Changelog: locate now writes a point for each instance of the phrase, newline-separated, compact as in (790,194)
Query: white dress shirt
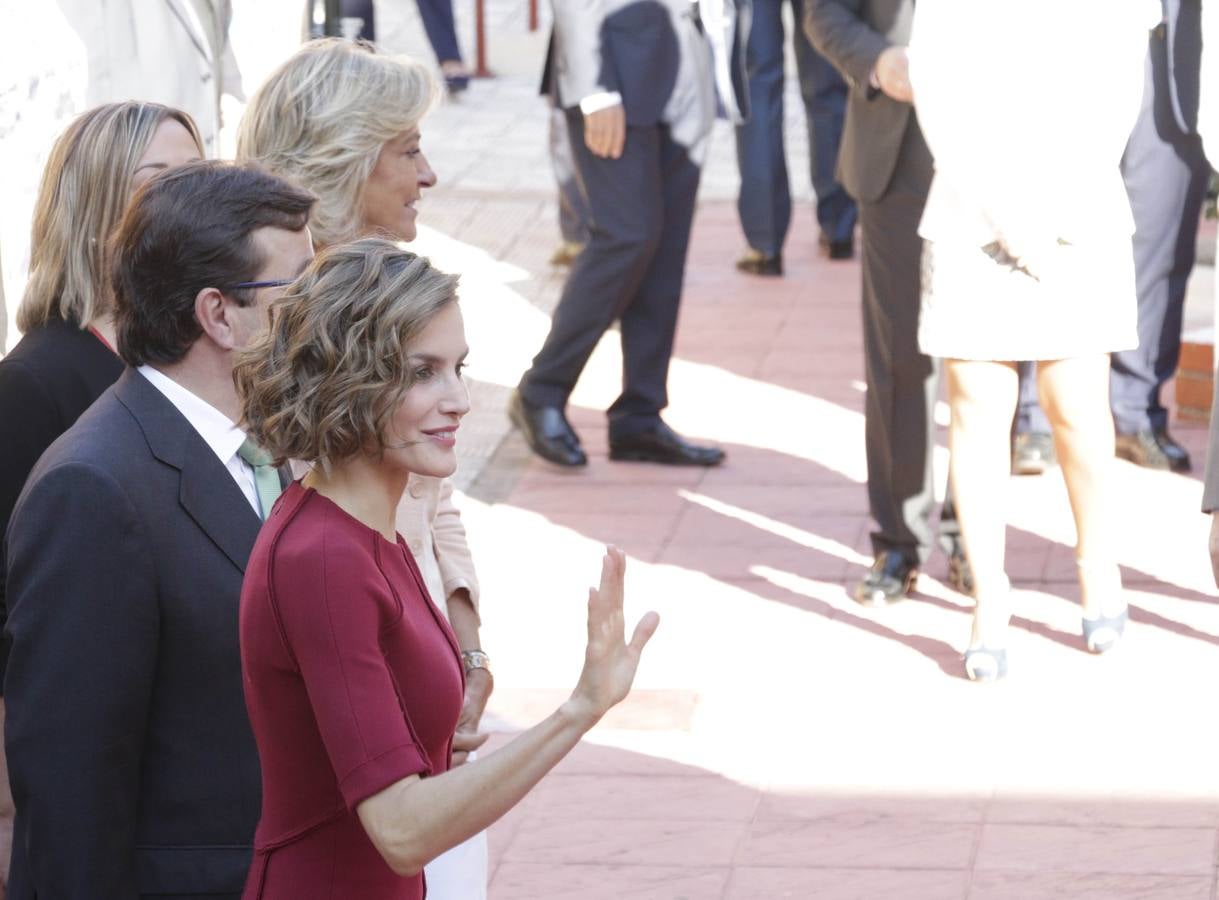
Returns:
(216,429)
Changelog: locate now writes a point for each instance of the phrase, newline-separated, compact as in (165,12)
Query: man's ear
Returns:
(212,313)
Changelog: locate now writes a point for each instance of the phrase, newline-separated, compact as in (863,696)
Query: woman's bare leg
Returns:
(982,396)
(1075,397)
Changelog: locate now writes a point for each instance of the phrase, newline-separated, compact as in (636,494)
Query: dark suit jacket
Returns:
(630,46)
(638,58)
(52,376)
(133,766)
(1183,36)
(852,34)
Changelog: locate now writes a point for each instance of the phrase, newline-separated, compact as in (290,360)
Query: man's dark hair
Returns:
(189,229)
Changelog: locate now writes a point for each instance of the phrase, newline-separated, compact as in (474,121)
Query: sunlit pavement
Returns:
(783,741)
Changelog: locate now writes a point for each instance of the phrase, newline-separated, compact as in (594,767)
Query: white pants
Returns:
(460,873)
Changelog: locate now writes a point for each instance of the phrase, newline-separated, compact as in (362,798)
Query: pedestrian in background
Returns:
(637,83)
(1028,257)
(885,165)
(764,200)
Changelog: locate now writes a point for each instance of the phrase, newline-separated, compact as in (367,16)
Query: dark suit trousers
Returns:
(642,206)
(902,382)
(764,203)
(438,22)
(360,9)
(1166,175)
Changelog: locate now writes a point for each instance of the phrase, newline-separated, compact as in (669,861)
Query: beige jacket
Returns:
(432,528)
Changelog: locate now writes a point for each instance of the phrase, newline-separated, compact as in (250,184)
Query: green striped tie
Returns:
(266,476)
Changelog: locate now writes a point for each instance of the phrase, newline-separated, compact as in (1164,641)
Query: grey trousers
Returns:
(1166,175)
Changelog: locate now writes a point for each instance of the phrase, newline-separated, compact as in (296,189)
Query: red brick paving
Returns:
(784,741)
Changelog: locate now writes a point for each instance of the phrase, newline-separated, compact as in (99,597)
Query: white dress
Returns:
(1027,107)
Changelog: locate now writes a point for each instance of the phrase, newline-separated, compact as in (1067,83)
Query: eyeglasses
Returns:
(279,282)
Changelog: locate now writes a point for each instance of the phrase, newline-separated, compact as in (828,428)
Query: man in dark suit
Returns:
(635,81)
(885,165)
(133,768)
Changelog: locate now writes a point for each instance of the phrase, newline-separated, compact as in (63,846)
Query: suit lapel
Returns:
(207,492)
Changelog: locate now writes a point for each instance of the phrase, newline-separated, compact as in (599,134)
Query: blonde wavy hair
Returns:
(322,383)
(322,118)
(85,188)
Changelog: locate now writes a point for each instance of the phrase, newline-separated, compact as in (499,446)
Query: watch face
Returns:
(475,659)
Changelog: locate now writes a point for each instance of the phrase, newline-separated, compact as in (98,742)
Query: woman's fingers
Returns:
(605,601)
(644,629)
(613,570)
(466,741)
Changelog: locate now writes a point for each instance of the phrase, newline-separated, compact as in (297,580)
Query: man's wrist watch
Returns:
(475,659)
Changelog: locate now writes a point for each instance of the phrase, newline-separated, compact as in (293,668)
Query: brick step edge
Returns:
(1195,381)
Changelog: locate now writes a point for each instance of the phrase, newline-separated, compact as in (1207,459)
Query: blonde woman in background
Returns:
(66,358)
(1028,256)
(343,121)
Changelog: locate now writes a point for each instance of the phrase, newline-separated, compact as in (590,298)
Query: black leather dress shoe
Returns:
(1153,449)
(836,249)
(1032,453)
(755,262)
(546,431)
(892,577)
(663,445)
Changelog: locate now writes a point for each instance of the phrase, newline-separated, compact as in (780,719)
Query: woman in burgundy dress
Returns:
(353,678)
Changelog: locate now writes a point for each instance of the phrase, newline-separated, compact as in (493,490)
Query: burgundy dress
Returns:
(353,681)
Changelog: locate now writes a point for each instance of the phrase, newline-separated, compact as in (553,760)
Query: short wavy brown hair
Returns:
(322,383)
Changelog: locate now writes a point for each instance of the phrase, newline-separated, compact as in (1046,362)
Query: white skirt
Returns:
(460,873)
(974,307)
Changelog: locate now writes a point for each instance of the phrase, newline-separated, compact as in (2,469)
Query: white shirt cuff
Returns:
(597,102)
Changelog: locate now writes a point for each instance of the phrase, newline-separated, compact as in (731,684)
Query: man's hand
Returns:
(893,74)
(1214,546)
(605,131)
(468,738)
